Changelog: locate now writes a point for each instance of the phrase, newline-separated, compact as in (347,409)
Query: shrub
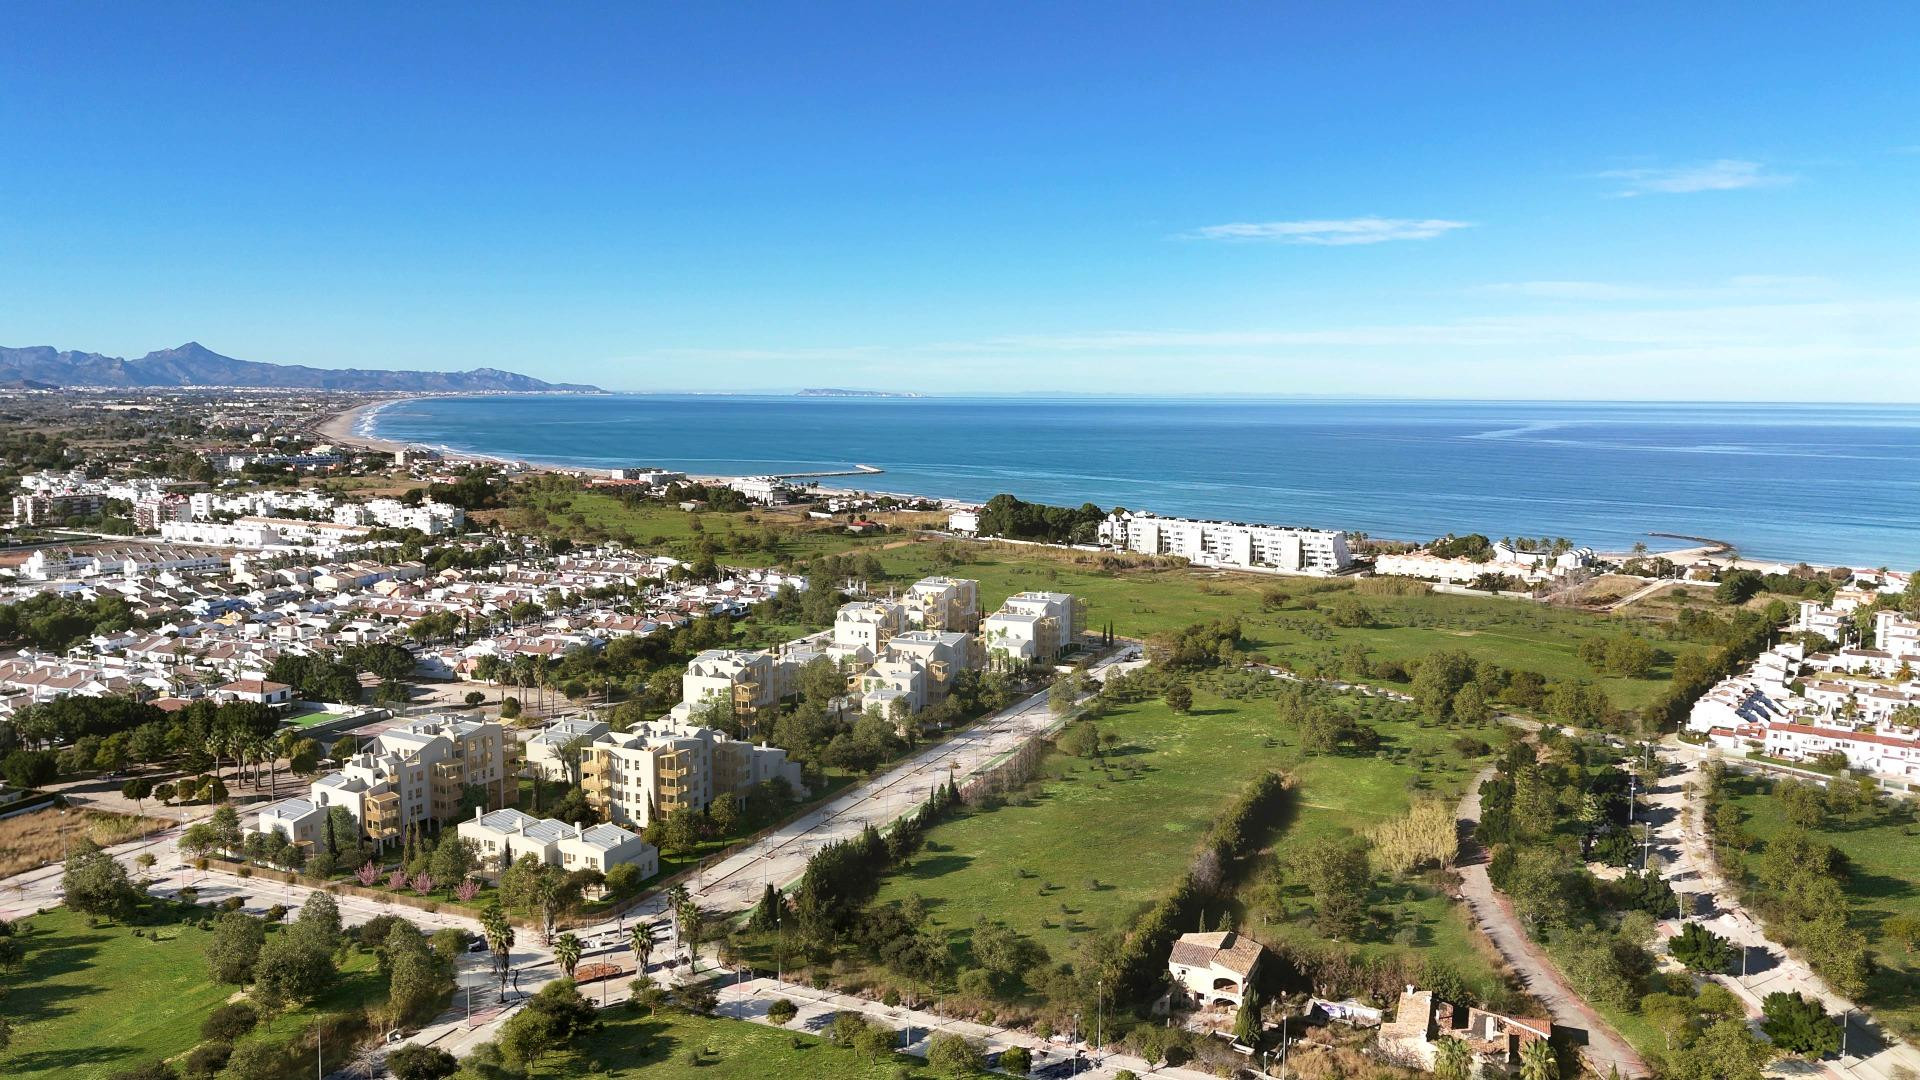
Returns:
(276,912)
(229,1022)
(152,1070)
(206,1059)
(782,1011)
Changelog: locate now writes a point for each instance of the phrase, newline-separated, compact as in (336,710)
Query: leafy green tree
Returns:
(1335,871)
(237,938)
(955,1056)
(1537,1061)
(1700,949)
(1179,697)
(292,968)
(413,1061)
(1799,1025)
(95,883)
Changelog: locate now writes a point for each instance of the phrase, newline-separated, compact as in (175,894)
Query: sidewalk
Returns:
(1681,838)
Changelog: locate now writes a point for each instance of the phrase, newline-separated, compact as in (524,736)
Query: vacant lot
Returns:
(1883,854)
(90,1002)
(43,836)
(1285,619)
(1095,842)
(660,1048)
(736,538)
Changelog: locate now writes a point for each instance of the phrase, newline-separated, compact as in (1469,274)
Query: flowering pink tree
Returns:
(368,874)
(397,880)
(466,891)
(422,883)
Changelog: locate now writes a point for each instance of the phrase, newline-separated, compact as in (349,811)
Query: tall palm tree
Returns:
(1537,1061)
(566,950)
(641,939)
(499,934)
(691,923)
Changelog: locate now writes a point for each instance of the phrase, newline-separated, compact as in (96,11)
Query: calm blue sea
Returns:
(1818,482)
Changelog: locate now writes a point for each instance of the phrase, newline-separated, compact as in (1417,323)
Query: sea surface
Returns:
(1824,483)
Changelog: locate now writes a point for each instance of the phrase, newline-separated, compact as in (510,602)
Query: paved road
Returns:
(1681,839)
(749,1000)
(1604,1048)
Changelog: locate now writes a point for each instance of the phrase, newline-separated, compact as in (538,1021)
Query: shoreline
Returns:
(355,425)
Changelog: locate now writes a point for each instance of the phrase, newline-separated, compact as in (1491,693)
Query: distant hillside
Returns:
(834,391)
(193,364)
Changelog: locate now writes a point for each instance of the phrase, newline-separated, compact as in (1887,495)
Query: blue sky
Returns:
(1502,201)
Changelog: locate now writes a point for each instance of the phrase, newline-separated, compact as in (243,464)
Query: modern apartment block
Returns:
(1030,628)
(545,751)
(1229,544)
(944,603)
(655,768)
(750,679)
(863,628)
(418,773)
(504,836)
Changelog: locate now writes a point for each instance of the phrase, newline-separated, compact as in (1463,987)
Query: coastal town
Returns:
(264,664)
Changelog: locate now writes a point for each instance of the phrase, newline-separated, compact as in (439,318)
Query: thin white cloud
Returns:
(1745,286)
(1335,232)
(1724,174)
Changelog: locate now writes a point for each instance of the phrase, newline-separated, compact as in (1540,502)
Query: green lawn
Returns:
(1516,634)
(1884,855)
(90,1002)
(657,1048)
(1133,825)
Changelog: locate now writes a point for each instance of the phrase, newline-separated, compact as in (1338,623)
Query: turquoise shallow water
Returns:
(1818,482)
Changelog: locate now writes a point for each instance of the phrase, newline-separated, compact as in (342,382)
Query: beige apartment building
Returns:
(631,777)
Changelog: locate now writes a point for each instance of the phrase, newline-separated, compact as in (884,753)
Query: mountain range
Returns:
(193,364)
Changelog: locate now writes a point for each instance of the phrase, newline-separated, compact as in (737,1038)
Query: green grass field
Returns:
(1133,825)
(1140,602)
(1884,854)
(658,1048)
(670,530)
(90,1002)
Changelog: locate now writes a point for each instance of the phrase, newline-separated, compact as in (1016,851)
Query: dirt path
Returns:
(1602,1047)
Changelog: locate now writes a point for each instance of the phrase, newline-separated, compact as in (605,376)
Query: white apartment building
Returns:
(301,821)
(1030,628)
(862,629)
(661,766)
(431,518)
(1229,544)
(1896,633)
(251,534)
(944,603)
(763,490)
(750,680)
(1829,622)
(504,836)
(964,522)
(1866,751)
(418,773)
(647,475)
(543,751)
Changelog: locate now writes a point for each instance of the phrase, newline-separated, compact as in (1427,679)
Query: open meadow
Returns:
(1883,881)
(91,1001)
(664,1047)
(1091,843)
(1286,619)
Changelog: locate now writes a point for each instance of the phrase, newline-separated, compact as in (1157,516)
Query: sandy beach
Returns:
(340,427)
